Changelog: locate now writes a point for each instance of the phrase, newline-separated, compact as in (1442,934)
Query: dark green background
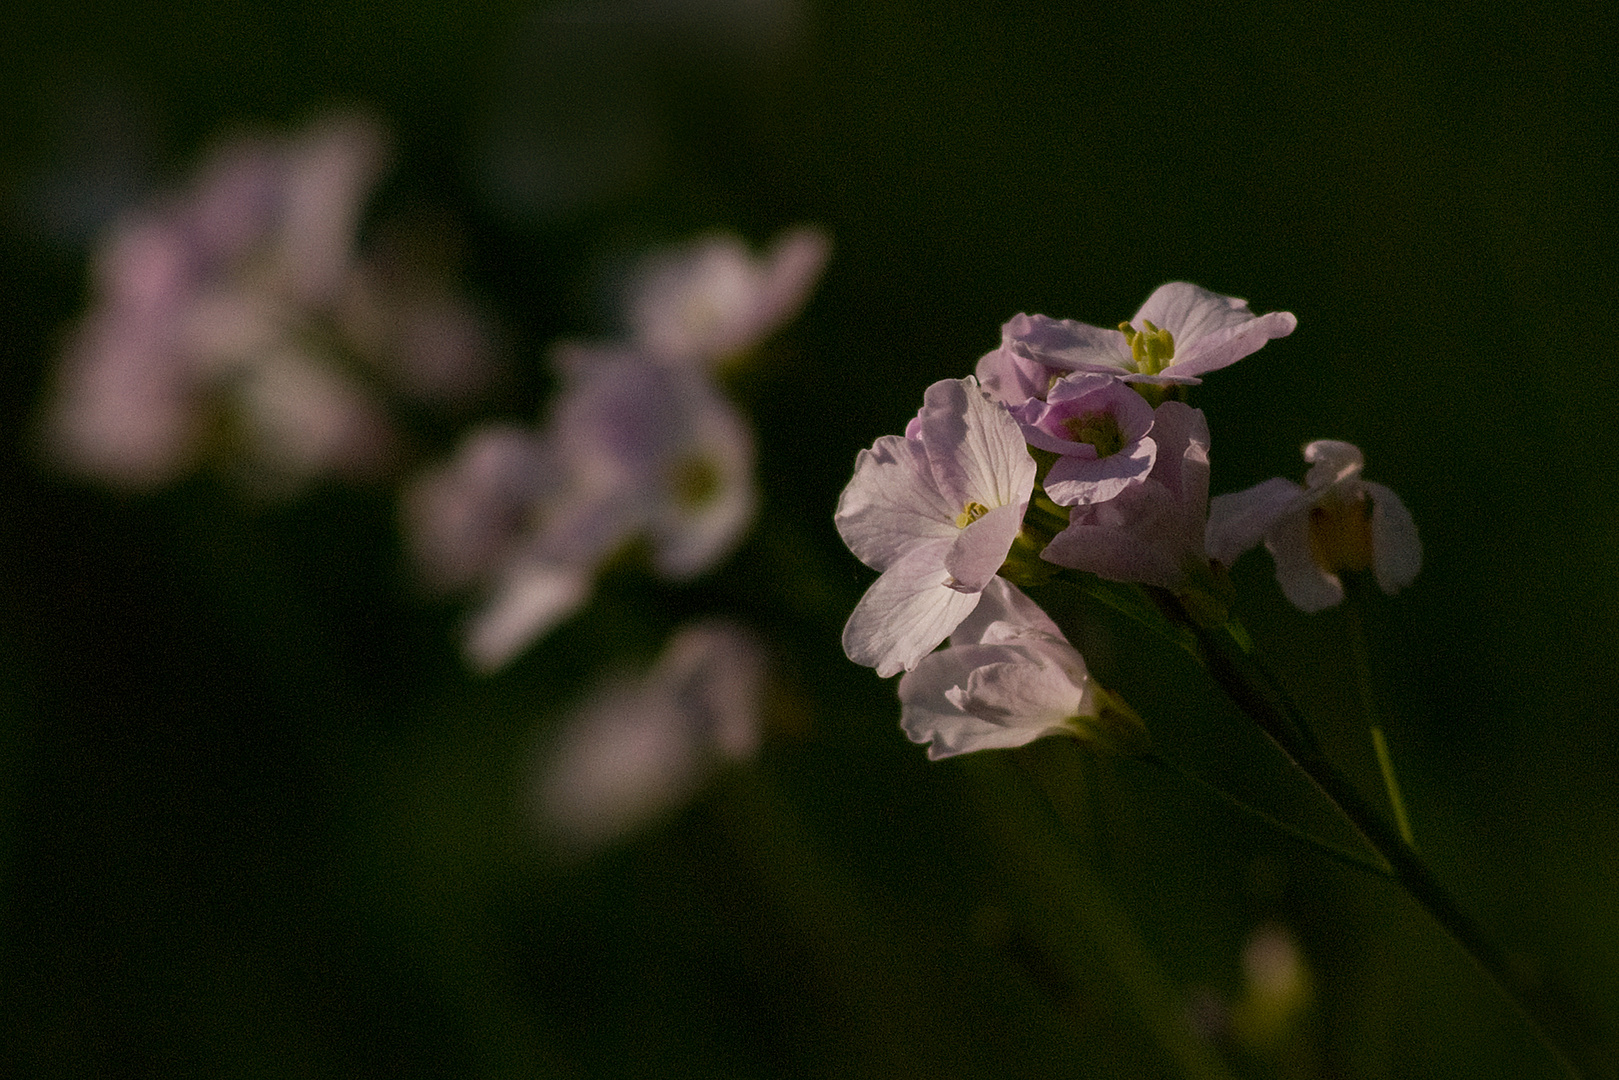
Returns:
(255,821)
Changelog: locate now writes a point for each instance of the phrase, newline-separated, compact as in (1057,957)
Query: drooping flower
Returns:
(1151,532)
(1180,333)
(1008,677)
(936,511)
(641,747)
(1335,522)
(1100,428)
(702,304)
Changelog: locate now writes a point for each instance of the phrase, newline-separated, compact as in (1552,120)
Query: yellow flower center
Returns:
(1152,349)
(970,513)
(1341,534)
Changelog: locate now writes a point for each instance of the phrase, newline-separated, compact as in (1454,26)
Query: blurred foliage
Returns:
(257,820)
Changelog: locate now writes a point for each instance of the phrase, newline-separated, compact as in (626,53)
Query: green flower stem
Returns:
(1253,691)
(1355,587)
(1343,855)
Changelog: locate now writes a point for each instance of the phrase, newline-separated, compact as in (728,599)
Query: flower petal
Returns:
(531,599)
(981,548)
(906,612)
(975,449)
(1240,520)
(1005,604)
(1396,550)
(891,504)
(1076,481)
(1303,582)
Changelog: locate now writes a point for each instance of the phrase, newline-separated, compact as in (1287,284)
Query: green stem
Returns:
(1326,847)
(1256,694)
(1368,699)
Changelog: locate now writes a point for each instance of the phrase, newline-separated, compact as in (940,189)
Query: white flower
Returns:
(1009,677)
(644,746)
(1181,332)
(707,302)
(936,511)
(1335,522)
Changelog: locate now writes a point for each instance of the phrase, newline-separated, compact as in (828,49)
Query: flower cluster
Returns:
(1072,449)
(640,445)
(239,322)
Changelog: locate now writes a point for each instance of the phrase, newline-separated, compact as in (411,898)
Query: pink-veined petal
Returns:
(891,504)
(981,548)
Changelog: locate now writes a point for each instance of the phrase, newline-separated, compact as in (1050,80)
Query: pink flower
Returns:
(936,511)
(1009,677)
(1099,425)
(642,747)
(1180,333)
(1151,532)
(1335,522)
(709,301)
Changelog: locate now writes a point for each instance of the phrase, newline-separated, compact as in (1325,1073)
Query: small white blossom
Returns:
(1335,522)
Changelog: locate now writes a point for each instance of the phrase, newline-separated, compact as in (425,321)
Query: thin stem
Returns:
(1326,847)
(1257,695)
(1368,698)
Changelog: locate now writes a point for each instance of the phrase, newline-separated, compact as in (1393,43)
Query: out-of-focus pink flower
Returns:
(216,325)
(1180,333)
(1335,522)
(643,747)
(1100,427)
(1151,532)
(1008,677)
(632,450)
(704,303)
(936,511)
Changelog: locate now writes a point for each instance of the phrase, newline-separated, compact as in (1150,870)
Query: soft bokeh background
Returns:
(256,819)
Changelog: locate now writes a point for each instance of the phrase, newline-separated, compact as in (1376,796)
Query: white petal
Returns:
(1309,587)
(1396,551)
(530,600)
(981,548)
(1240,520)
(891,504)
(906,612)
(1006,604)
(976,450)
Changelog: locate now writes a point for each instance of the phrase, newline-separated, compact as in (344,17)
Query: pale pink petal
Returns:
(529,600)
(907,612)
(892,504)
(975,449)
(1239,521)
(981,548)
(1076,481)
(1303,582)
(1005,604)
(1396,550)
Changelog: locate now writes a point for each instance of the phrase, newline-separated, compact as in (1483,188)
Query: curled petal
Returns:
(981,548)
(1303,582)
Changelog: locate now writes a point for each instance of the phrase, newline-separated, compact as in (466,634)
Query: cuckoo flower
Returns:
(1151,532)
(1099,427)
(936,511)
(633,449)
(641,747)
(1008,677)
(1335,522)
(1180,333)
(708,302)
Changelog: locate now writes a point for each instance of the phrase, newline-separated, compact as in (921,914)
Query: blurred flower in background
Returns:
(237,322)
(640,747)
(640,443)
